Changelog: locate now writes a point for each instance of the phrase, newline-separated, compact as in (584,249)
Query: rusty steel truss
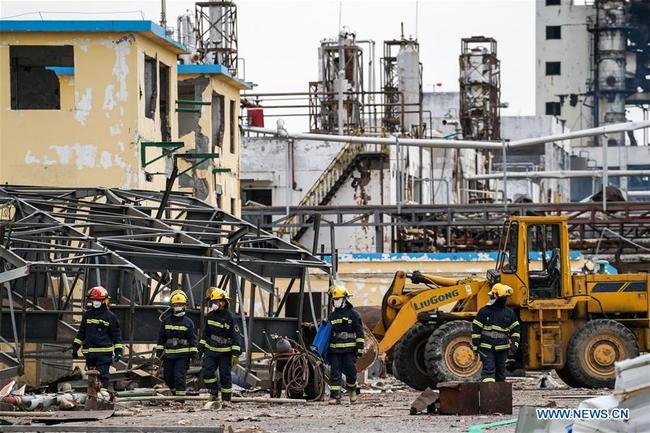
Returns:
(55,243)
(473,227)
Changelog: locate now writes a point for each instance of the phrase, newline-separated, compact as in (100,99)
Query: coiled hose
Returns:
(299,366)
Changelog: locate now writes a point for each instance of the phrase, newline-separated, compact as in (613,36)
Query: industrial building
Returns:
(106,97)
(134,157)
(593,62)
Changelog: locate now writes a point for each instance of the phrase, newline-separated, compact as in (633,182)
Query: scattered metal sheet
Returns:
(495,397)
(459,398)
(425,401)
(74,416)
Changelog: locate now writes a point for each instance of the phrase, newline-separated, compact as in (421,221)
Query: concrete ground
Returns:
(375,411)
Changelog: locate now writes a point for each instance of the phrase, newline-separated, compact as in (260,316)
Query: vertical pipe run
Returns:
(505,175)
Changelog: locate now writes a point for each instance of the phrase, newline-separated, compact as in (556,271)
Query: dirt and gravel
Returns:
(375,411)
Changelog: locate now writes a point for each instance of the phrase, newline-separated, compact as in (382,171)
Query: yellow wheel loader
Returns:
(576,323)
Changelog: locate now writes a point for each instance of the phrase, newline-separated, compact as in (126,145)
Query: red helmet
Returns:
(98,294)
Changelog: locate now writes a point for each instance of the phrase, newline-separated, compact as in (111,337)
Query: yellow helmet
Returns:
(338,291)
(178,297)
(217,294)
(500,290)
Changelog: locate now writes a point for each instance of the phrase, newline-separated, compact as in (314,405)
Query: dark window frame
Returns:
(553,33)
(553,69)
(233,125)
(553,2)
(150,86)
(34,82)
(553,109)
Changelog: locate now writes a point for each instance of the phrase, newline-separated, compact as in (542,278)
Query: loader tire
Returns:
(594,348)
(449,355)
(409,365)
(567,377)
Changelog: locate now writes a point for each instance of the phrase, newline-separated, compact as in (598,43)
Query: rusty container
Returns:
(459,398)
(495,397)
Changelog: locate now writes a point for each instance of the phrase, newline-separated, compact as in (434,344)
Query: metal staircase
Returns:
(330,180)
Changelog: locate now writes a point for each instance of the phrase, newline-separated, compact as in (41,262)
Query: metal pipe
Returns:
(442,143)
(562,174)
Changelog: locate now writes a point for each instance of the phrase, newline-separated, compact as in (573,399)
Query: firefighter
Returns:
(346,344)
(219,346)
(495,334)
(177,344)
(99,337)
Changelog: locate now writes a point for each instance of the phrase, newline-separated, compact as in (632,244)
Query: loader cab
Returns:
(534,259)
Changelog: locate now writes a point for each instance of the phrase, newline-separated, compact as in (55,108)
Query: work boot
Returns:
(212,405)
(225,403)
(334,400)
(353,396)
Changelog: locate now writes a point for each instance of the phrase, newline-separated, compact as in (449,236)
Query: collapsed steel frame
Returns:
(56,243)
(474,227)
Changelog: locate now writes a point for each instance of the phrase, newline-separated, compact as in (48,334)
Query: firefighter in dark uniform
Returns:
(220,346)
(177,344)
(495,334)
(346,344)
(99,337)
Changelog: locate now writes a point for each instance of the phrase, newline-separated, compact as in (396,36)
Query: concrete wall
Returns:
(205,184)
(573,51)
(94,139)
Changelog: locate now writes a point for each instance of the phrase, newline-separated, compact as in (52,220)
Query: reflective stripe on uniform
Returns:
(97,349)
(97,322)
(236,348)
(515,334)
(342,345)
(217,349)
(226,390)
(477,323)
(476,335)
(118,346)
(361,340)
(160,346)
(501,346)
(218,324)
(351,385)
(335,388)
(341,320)
(485,345)
(77,341)
(488,379)
(181,350)
(213,380)
(176,328)
(514,325)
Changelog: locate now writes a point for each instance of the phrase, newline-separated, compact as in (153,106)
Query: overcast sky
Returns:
(279,39)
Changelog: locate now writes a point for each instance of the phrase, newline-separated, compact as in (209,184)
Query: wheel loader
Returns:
(576,323)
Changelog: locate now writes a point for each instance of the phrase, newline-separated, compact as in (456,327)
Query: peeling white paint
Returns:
(121,68)
(86,155)
(63,152)
(30,158)
(109,100)
(115,130)
(105,159)
(121,145)
(83,105)
(47,161)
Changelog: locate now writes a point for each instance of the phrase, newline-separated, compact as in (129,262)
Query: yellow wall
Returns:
(94,139)
(229,181)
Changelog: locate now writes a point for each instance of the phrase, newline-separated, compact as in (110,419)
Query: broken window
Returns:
(34,81)
(553,108)
(233,126)
(187,121)
(218,119)
(553,68)
(165,127)
(553,32)
(150,86)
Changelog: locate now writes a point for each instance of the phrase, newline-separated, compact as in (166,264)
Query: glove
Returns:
(234,360)
(512,351)
(75,351)
(358,354)
(117,356)
(159,353)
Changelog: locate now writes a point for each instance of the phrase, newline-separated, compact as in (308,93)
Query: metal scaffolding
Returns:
(56,243)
